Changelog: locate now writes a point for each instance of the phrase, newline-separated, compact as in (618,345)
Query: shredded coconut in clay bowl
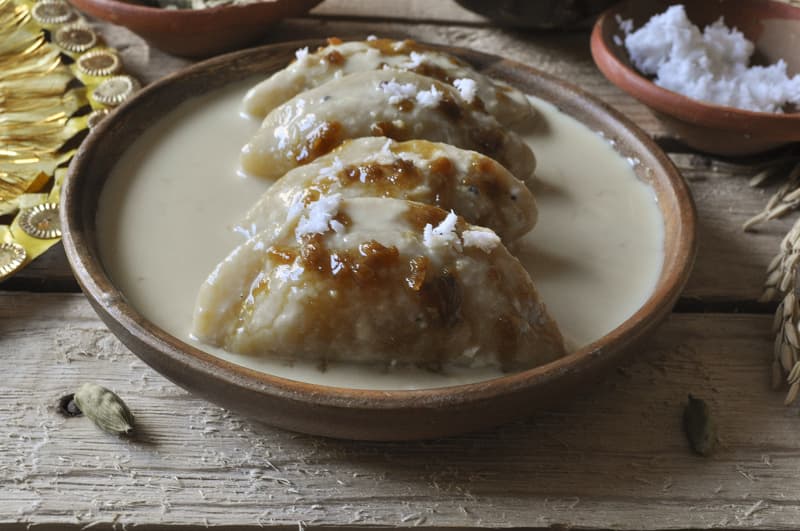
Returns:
(712,65)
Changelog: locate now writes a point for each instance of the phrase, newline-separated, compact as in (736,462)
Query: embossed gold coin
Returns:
(52,12)
(75,38)
(96,116)
(41,221)
(12,256)
(115,90)
(99,63)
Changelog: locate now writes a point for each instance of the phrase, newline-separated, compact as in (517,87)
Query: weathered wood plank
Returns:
(731,264)
(446,11)
(614,457)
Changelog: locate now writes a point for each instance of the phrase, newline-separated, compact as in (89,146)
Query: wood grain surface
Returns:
(613,458)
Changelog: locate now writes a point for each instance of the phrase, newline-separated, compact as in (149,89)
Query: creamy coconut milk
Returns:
(167,212)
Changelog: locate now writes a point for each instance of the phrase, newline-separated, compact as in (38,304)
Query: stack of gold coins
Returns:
(57,79)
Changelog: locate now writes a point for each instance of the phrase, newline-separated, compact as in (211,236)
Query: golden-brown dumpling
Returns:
(309,70)
(473,185)
(398,105)
(376,280)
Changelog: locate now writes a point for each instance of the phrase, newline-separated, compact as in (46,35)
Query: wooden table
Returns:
(614,457)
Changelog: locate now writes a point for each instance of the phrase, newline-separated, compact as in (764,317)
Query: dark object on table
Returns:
(197,33)
(701,431)
(772,26)
(540,14)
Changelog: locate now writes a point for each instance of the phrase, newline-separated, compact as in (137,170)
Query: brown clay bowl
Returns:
(197,33)
(539,14)
(773,26)
(351,413)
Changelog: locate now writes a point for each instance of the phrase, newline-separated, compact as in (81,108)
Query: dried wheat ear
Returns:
(785,200)
(783,277)
(783,284)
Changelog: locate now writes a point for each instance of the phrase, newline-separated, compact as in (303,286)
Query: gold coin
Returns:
(75,38)
(52,12)
(96,116)
(115,90)
(99,63)
(41,221)
(12,256)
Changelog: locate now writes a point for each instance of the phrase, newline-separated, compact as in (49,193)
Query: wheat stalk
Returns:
(785,200)
(783,283)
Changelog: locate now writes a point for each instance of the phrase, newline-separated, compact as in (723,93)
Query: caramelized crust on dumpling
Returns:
(473,185)
(377,280)
(309,70)
(398,105)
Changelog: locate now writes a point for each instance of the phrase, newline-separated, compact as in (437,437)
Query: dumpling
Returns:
(376,280)
(398,105)
(507,104)
(473,185)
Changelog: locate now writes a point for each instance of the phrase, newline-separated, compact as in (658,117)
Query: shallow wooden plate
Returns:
(356,413)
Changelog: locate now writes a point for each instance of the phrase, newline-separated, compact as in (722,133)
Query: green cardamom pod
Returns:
(699,426)
(104,408)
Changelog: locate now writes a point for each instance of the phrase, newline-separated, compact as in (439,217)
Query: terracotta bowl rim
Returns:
(129,9)
(101,291)
(197,33)
(673,103)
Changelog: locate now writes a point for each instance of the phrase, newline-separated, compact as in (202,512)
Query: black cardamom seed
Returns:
(701,431)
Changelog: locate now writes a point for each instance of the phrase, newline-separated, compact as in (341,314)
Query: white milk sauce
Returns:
(167,211)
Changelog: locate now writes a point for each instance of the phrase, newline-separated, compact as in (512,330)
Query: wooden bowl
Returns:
(774,28)
(197,33)
(355,413)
